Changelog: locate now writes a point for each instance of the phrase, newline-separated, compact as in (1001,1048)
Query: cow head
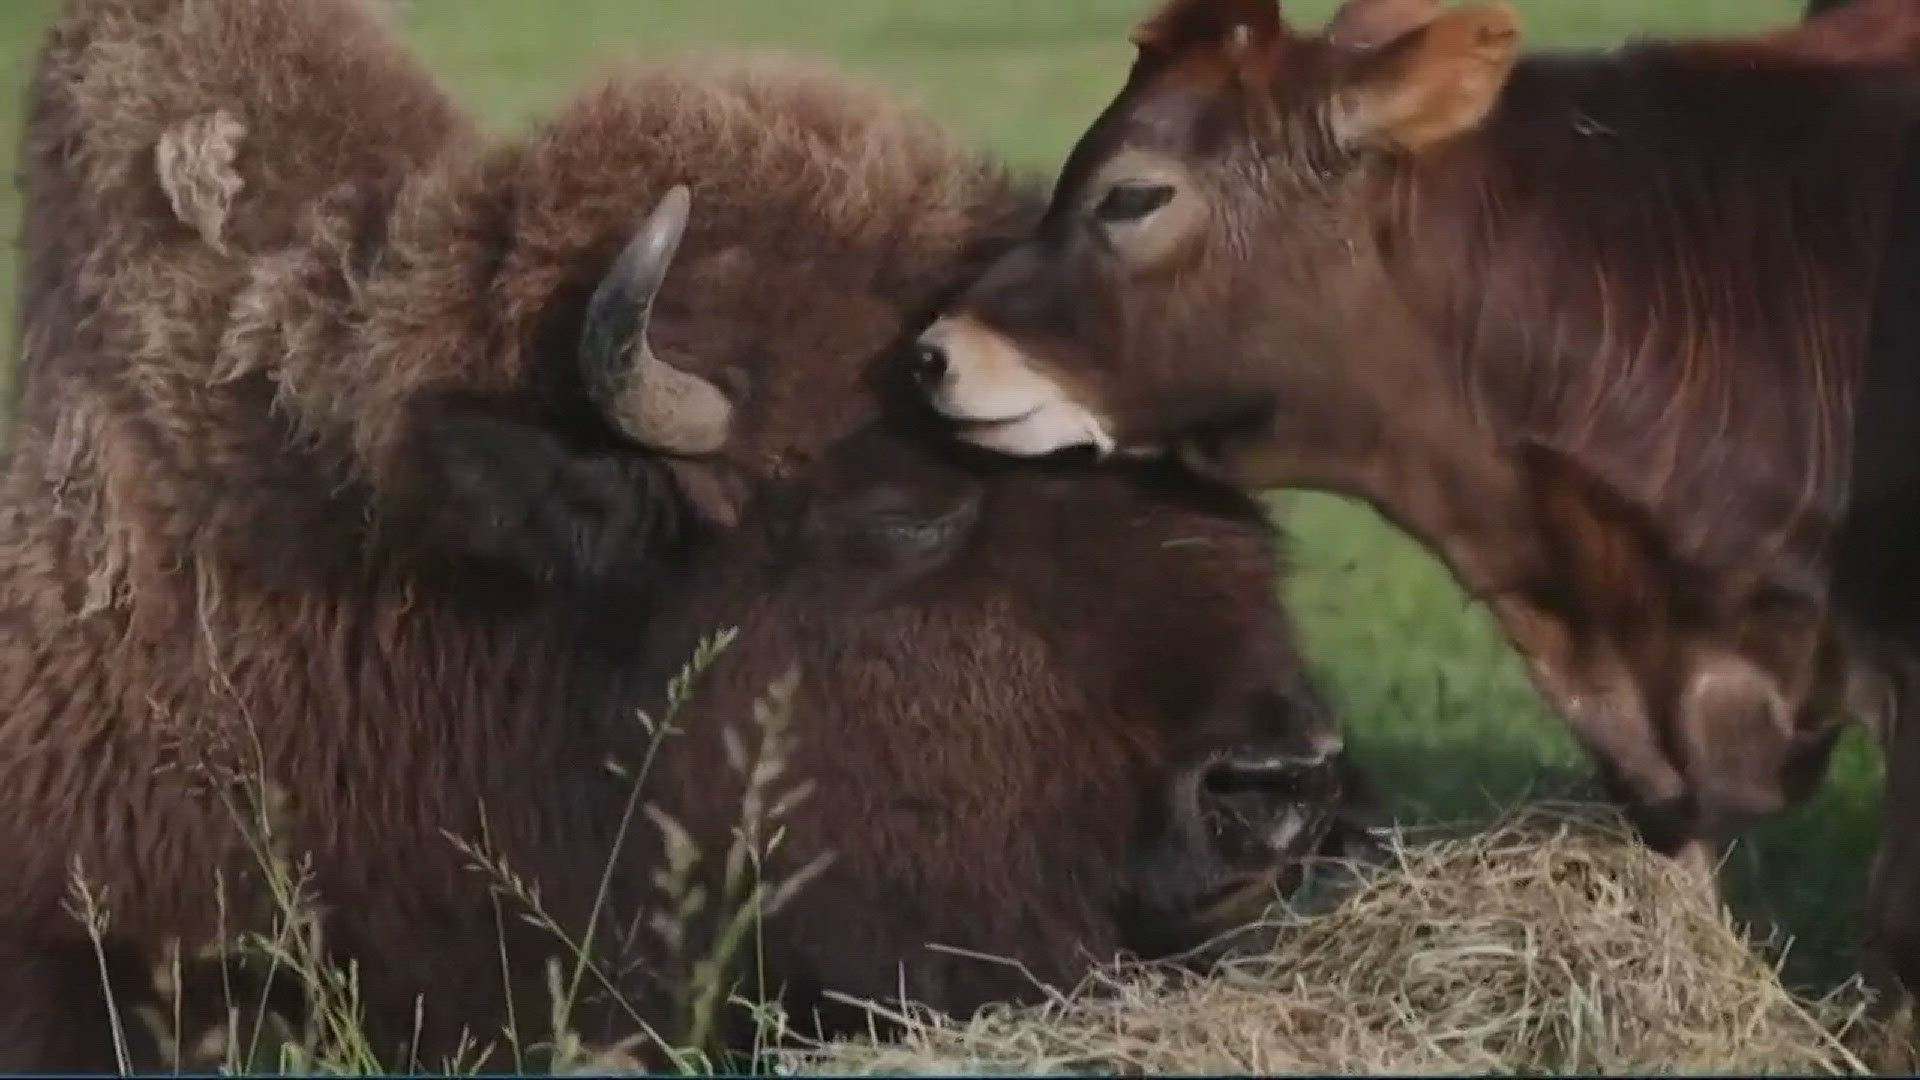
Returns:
(1734,679)
(1210,258)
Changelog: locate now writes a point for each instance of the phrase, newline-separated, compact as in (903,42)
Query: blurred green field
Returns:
(1436,703)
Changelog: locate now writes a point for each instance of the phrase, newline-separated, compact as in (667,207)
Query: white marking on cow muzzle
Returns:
(996,396)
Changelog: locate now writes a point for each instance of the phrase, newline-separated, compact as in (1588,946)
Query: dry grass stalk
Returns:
(247,1037)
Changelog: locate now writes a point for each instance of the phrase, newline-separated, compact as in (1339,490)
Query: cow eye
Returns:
(1131,202)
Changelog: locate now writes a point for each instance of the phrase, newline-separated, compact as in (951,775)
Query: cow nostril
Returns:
(928,365)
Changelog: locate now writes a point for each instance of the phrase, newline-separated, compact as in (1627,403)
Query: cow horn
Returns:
(650,400)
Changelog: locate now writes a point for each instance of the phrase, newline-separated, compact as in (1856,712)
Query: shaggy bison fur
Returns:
(334,478)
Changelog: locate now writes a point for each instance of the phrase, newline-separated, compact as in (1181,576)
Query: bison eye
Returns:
(1130,202)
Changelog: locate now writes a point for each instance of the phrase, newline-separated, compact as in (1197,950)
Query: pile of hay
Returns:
(1549,942)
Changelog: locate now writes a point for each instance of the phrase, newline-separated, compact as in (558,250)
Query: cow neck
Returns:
(1446,471)
(1420,453)
(1444,483)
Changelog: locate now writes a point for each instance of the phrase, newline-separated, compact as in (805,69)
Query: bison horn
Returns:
(650,400)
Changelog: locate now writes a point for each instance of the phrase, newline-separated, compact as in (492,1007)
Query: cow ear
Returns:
(1180,26)
(1241,34)
(1430,83)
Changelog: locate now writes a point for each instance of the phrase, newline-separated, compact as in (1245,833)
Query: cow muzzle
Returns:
(996,396)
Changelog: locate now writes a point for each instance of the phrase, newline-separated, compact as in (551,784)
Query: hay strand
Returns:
(1548,942)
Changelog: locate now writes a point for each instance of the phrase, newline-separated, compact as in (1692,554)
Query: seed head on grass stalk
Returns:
(90,910)
(504,880)
(746,895)
(749,895)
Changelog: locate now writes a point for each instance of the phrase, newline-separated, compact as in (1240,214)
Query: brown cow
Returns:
(1572,320)
(341,458)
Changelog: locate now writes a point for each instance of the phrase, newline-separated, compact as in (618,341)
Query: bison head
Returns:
(675,328)
(1043,719)
(1004,758)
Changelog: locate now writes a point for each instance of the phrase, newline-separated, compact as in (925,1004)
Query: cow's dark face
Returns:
(1210,259)
(1047,718)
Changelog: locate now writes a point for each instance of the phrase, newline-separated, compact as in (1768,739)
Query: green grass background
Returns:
(1435,701)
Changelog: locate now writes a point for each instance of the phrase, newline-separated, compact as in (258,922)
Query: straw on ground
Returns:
(1548,942)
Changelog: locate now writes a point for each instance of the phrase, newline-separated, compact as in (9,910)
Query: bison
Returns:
(1597,327)
(393,469)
